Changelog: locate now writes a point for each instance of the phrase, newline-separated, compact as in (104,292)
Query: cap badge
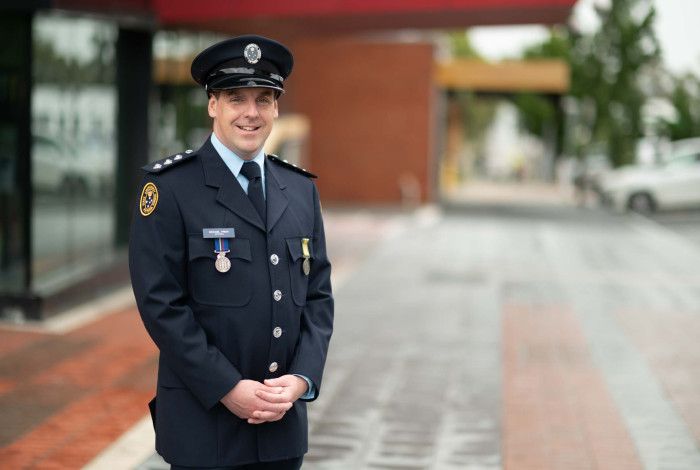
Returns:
(252,53)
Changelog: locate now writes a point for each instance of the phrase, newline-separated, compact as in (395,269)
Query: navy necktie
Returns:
(251,171)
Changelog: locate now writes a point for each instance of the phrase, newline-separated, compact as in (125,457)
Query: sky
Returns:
(675,26)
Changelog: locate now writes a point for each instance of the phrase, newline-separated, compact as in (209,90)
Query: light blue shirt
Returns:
(235,163)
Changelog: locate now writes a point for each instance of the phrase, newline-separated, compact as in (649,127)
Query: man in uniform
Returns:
(229,268)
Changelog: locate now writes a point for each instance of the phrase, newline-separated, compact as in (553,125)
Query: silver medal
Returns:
(223,264)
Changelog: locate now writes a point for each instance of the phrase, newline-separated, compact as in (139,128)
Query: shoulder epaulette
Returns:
(163,164)
(291,166)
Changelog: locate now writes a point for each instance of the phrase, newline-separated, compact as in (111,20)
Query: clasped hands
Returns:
(264,402)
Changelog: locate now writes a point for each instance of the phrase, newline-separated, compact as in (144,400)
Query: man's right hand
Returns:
(244,403)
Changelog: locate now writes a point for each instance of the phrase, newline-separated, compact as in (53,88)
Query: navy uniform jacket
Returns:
(214,329)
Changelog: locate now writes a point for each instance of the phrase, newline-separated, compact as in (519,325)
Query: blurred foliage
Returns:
(477,112)
(538,112)
(685,98)
(557,46)
(608,69)
(461,46)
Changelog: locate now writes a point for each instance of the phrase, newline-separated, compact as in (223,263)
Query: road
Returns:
(685,223)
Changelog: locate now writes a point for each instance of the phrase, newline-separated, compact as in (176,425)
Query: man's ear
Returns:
(211,106)
(276,109)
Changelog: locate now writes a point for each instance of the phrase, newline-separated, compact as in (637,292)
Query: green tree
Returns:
(607,72)
(538,112)
(461,46)
(685,98)
(608,69)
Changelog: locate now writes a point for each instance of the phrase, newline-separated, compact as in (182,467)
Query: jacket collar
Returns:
(232,196)
(277,200)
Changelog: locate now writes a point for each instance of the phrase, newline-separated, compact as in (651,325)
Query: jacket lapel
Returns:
(230,195)
(275,195)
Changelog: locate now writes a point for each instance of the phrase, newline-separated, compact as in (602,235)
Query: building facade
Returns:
(92,90)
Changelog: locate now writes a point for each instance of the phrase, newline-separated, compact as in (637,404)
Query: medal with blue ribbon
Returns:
(221,237)
(221,247)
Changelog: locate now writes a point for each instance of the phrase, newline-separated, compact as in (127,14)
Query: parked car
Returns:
(673,183)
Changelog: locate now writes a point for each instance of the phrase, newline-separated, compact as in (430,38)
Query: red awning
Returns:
(309,17)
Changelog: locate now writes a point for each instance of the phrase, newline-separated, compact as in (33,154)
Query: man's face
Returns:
(243,118)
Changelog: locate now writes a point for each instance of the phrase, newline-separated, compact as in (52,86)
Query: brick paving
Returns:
(65,398)
(553,390)
(560,340)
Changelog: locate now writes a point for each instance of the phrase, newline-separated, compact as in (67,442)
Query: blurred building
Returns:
(90,90)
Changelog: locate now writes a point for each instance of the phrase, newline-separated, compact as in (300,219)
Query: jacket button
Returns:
(277,295)
(274,259)
(273,367)
(277,332)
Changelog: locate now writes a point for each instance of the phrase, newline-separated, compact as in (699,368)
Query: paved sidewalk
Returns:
(565,341)
(561,340)
(72,386)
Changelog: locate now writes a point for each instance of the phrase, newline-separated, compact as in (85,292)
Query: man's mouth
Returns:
(248,128)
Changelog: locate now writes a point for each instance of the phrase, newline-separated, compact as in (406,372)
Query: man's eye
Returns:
(264,100)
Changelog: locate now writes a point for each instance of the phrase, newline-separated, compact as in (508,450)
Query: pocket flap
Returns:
(204,248)
(295,251)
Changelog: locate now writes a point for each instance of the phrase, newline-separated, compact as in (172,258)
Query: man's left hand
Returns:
(290,389)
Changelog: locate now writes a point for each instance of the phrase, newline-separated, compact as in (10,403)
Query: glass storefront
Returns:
(73,147)
(14,94)
(180,111)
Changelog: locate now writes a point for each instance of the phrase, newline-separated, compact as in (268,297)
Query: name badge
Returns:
(219,233)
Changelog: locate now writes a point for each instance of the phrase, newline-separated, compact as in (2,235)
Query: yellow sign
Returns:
(149,199)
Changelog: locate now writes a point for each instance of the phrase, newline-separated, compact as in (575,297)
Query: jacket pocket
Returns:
(298,279)
(211,287)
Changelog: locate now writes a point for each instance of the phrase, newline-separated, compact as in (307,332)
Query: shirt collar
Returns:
(233,161)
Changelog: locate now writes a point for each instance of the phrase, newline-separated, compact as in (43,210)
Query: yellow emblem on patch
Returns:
(149,199)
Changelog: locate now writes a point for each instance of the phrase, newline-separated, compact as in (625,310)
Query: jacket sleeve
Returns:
(317,315)
(158,267)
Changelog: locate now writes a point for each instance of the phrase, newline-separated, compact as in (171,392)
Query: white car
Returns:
(672,184)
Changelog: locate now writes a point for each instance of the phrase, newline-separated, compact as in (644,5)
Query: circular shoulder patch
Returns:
(149,199)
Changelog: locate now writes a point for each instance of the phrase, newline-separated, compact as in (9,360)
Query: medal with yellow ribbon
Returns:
(306,265)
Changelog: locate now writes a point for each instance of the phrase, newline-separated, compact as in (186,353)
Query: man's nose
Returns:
(251,109)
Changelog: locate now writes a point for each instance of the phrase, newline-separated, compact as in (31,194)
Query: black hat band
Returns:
(245,71)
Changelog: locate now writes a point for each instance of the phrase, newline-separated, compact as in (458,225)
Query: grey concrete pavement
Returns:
(520,338)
